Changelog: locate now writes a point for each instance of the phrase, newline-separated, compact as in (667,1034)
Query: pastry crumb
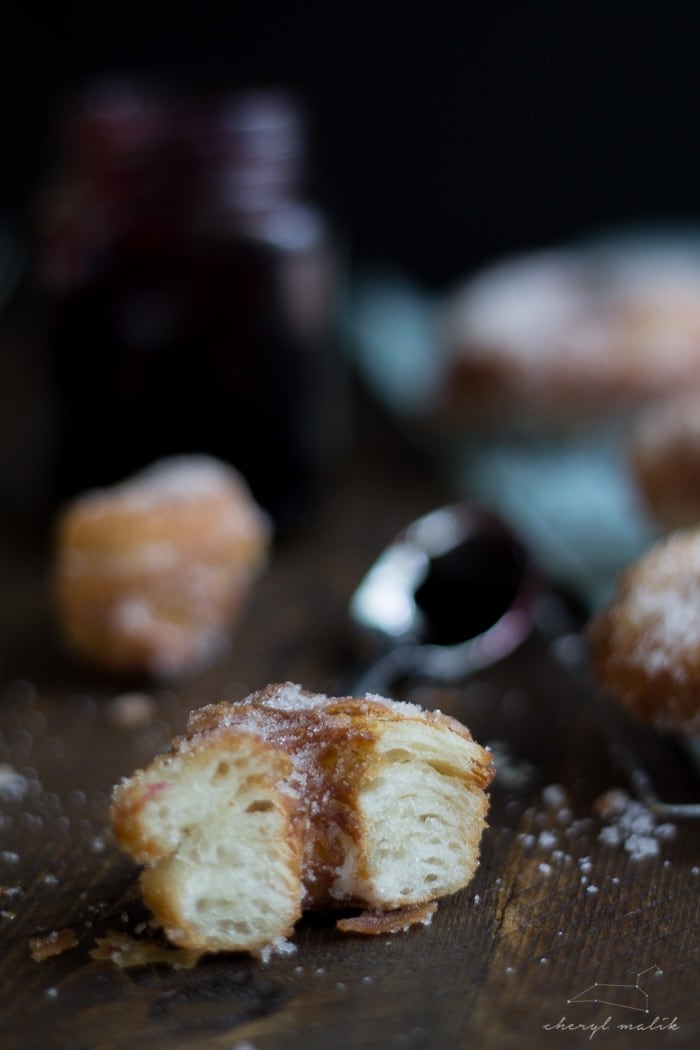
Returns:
(376,923)
(53,943)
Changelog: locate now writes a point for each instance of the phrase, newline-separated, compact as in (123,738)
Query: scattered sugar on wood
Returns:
(132,710)
(13,785)
(627,823)
(555,796)
(279,946)
(630,824)
(54,943)
(512,774)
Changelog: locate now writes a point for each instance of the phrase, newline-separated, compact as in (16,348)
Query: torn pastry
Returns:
(290,800)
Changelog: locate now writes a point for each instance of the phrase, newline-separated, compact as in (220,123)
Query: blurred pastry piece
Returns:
(571,336)
(644,645)
(151,573)
(664,457)
(291,800)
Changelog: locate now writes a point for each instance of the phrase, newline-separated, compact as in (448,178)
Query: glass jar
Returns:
(266,286)
(193,284)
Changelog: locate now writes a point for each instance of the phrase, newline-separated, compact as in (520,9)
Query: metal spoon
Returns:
(452,594)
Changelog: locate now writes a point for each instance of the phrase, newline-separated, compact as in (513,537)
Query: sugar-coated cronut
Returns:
(569,335)
(664,457)
(151,573)
(290,800)
(644,645)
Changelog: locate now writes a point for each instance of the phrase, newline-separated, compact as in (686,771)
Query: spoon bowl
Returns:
(452,594)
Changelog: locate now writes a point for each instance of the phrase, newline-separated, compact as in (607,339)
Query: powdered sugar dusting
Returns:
(580,304)
(279,946)
(173,478)
(13,786)
(627,824)
(631,825)
(291,697)
(403,707)
(527,301)
(663,607)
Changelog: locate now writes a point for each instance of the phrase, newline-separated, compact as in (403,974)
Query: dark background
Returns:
(447,135)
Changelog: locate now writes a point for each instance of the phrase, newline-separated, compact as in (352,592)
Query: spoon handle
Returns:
(382,674)
(570,653)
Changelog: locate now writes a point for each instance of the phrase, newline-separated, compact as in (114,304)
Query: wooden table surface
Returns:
(508,962)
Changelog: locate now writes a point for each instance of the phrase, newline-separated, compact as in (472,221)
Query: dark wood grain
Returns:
(552,909)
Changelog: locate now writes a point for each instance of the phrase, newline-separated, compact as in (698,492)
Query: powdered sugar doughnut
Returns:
(151,573)
(644,644)
(571,335)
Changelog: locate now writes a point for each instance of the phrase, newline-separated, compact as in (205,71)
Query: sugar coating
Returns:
(525,302)
(665,607)
(644,644)
(538,305)
(178,478)
(152,573)
(289,698)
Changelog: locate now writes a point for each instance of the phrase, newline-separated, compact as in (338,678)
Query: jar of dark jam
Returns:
(265,285)
(193,292)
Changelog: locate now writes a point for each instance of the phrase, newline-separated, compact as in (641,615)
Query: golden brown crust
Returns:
(150,574)
(644,645)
